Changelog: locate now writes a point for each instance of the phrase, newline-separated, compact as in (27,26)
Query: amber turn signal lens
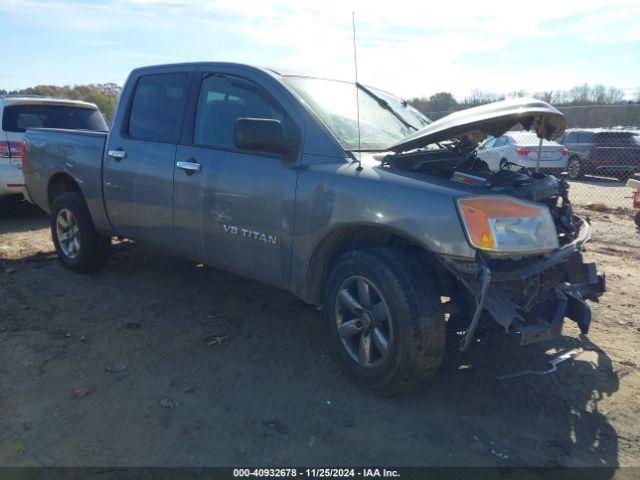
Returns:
(500,223)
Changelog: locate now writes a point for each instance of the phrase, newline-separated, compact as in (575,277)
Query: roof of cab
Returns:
(202,64)
(35,100)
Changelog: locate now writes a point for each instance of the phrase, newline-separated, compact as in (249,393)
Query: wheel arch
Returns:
(345,238)
(59,183)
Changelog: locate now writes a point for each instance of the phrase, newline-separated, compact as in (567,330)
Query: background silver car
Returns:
(521,149)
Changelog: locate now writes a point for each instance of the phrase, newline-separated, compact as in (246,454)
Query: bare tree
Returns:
(580,95)
(545,96)
(479,97)
(615,95)
(517,93)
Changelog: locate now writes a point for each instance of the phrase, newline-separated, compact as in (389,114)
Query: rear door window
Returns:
(17,118)
(157,106)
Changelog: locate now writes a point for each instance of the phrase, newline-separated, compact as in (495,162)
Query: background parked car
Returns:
(19,113)
(609,152)
(521,149)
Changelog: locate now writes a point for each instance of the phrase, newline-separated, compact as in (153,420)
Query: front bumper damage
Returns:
(531,296)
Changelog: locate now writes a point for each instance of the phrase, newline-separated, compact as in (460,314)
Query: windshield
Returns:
(384,119)
(408,112)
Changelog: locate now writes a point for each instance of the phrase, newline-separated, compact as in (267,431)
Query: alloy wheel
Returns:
(574,168)
(68,233)
(363,321)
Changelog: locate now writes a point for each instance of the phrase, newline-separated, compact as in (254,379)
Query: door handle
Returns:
(190,166)
(117,154)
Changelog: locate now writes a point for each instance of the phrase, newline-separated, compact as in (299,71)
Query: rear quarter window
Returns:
(17,118)
(618,139)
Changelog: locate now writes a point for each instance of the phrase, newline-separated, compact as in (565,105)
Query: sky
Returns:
(410,48)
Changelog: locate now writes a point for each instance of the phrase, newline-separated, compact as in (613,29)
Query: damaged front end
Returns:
(528,273)
(531,296)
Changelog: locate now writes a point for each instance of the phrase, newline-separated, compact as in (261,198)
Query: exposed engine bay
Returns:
(528,294)
(453,162)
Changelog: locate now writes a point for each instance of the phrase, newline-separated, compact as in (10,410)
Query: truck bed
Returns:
(78,153)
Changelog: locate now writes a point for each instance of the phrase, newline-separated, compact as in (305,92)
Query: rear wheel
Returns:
(79,246)
(385,319)
(637,219)
(574,168)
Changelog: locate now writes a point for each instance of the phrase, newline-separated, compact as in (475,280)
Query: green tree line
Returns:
(585,105)
(104,95)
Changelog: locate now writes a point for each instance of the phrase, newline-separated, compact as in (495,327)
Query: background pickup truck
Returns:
(385,219)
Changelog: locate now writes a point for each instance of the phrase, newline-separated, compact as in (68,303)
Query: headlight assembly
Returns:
(504,224)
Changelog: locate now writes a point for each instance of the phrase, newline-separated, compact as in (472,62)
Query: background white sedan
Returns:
(520,149)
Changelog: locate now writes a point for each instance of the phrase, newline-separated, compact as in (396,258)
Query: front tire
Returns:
(637,219)
(385,319)
(78,245)
(574,168)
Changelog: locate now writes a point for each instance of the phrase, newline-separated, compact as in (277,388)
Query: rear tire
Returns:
(79,246)
(412,322)
(574,168)
(637,219)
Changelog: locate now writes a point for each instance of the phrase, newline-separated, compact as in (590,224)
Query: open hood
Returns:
(472,125)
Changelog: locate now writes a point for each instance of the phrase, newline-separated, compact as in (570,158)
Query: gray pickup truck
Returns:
(338,192)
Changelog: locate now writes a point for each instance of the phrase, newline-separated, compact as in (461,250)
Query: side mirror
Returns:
(262,135)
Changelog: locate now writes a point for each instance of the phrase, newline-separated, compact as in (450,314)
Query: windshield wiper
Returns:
(384,104)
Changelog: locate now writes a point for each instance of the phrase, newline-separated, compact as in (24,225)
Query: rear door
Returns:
(234,208)
(617,150)
(140,156)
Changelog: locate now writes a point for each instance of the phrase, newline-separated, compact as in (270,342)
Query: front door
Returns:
(234,208)
(140,158)
(495,153)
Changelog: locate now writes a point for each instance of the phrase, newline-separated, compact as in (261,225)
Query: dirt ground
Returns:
(156,361)
(611,192)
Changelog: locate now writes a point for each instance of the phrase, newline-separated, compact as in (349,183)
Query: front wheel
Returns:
(637,219)
(79,246)
(574,168)
(385,319)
